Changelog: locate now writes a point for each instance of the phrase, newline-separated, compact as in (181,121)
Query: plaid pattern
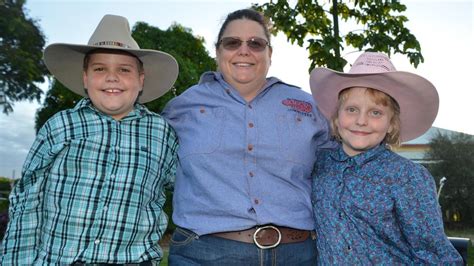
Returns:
(92,190)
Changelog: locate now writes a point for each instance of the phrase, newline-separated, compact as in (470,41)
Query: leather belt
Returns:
(268,236)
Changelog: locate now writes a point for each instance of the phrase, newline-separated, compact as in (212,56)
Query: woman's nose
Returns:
(244,48)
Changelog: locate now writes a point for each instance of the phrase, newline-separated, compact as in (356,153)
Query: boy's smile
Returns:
(113,83)
(362,123)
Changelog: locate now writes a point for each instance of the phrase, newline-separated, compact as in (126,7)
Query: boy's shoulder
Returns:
(58,118)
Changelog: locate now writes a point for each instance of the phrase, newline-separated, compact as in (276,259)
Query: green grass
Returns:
(164,262)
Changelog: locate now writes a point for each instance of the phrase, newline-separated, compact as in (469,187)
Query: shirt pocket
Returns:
(201,131)
(79,157)
(296,133)
(368,200)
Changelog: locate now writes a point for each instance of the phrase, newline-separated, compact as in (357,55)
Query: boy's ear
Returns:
(84,79)
(142,81)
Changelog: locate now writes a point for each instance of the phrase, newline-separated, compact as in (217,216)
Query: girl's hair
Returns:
(249,14)
(393,136)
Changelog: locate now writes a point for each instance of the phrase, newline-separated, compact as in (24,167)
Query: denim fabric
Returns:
(187,248)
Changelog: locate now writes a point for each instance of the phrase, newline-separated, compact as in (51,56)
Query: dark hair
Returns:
(85,63)
(249,14)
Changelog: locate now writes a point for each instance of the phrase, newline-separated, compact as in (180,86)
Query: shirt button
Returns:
(250,124)
(251,174)
(250,147)
(105,208)
(340,215)
(202,110)
(250,106)
(228,91)
(112,176)
(298,119)
(97,241)
(256,201)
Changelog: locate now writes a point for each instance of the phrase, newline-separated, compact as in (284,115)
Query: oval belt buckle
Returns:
(266,227)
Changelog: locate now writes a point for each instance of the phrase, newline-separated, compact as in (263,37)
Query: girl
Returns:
(372,206)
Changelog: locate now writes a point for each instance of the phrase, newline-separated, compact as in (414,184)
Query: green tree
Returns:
(454,157)
(189,51)
(382,28)
(21,52)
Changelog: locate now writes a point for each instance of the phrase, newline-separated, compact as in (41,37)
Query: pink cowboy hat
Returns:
(417,97)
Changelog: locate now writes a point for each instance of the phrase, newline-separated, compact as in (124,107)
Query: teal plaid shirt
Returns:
(92,190)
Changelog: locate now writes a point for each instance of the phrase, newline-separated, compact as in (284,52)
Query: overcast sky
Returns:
(444,29)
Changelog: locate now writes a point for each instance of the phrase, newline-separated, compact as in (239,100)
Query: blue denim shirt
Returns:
(377,208)
(244,164)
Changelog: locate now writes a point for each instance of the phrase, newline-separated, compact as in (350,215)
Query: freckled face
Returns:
(113,83)
(244,67)
(362,124)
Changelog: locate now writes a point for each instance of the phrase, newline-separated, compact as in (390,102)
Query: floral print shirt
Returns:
(377,208)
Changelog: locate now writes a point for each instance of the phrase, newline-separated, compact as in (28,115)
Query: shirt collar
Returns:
(340,155)
(211,76)
(83,103)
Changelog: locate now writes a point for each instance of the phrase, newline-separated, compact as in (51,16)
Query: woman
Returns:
(247,147)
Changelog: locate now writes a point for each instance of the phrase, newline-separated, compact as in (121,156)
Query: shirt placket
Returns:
(110,171)
(250,155)
(348,247)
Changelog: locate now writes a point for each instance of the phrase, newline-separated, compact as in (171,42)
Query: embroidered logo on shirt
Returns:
(301,107)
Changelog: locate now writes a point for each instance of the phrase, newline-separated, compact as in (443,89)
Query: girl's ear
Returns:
(390,129)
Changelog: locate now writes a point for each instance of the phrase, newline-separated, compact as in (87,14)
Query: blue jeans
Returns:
(187,248)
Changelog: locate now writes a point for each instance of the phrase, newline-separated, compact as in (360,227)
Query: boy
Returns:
(92,187)
(372,206)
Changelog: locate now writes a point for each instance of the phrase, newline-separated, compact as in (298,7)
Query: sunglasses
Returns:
(255,44)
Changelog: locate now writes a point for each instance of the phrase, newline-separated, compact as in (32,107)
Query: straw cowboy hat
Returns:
(416,96)
(65,61)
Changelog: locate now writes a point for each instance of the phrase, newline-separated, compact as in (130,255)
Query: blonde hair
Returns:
(392,138)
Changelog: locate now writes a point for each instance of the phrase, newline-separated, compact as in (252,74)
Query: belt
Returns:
(268,236)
